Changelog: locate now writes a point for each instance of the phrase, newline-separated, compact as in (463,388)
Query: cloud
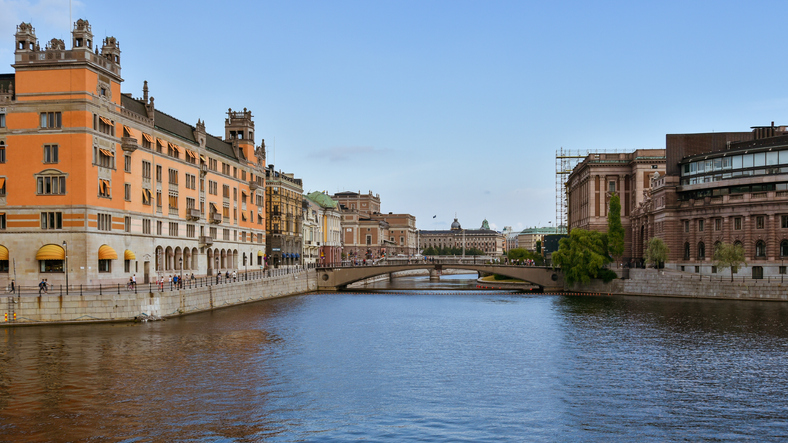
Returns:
(346,153)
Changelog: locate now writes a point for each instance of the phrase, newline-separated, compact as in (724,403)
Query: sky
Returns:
(441,107)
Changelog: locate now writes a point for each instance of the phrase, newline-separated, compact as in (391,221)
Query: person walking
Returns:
(134,281)
(42,286)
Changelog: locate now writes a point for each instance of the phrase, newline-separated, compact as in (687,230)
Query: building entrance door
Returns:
(146,269)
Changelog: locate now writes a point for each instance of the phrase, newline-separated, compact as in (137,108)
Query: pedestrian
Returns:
(235,276)
(218,276)
(42,286)
(134,281)
(13,287)
(46,286)
(192,276)
(169,281)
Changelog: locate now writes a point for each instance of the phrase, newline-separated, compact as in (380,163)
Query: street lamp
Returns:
(65,247)
(180,280)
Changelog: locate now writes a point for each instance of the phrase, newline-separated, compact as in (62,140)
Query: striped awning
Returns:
(107,253)
(107,152)
(202,157)
(106,120)
(129,255)
(174,146)
(2,182)
(147,137)
(191,154)
(146,195)
(127,129)
(160,141)
(104,185)
(215,209)
(260,253)
(3,253)
(51,252)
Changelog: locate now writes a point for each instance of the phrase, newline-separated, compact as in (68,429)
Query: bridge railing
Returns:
(421,261)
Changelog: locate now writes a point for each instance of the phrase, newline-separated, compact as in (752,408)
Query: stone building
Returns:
(489,241)
(720,187)
(85,169)
(283,207)
(594,180)
(311,232)
(528,237)
(402,234)
(330,226)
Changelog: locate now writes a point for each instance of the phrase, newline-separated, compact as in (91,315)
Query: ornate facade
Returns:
(484,238)
(85,170)
(284,206)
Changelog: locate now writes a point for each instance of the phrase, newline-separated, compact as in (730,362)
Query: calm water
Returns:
(406,365)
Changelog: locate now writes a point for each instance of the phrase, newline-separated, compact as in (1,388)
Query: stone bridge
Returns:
(335,278)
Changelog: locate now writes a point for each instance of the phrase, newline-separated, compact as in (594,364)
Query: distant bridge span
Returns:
(334,278)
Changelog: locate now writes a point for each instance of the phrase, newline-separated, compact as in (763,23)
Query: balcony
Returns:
(128,144)
(253,186)
(206,240)
(193,214)
(216,218)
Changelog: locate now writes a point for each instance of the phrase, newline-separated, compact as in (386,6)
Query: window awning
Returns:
(147,137)
(106,120)
(191,154)
(160,141)
(2,182)
(174,146)
(107,152)
(127,129)
(129,255)
(104,185)
(3,253)
(146,195)
(215,209)
(51,252)
(107,253)
(202,158)
(260,253)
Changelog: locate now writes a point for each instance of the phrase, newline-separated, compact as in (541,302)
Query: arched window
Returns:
(760,249)
(686,251)
(784,248)
(701,251)
(717,245)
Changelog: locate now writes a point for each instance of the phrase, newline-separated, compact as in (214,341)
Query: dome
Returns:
(455,225)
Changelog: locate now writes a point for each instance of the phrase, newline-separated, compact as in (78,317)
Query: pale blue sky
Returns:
(442,107)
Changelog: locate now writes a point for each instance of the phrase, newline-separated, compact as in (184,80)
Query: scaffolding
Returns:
(565,162)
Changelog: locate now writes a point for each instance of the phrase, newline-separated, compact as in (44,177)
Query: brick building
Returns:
(85,170)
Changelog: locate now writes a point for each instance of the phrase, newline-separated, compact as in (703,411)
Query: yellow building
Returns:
(284,211)
(85,170)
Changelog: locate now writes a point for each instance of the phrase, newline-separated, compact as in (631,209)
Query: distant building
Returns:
(528,237)
(330,227)
(489,241)
(311,233)
(283,206)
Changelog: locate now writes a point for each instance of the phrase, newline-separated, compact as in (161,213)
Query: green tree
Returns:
(524,254)
(615,230)
(582,256)
(656,253)
(728,255)
(539,247)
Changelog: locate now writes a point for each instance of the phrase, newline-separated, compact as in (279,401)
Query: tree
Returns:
(728,255)
(615,230)
(539,247)
(582,256)
(657,252)
(524,254)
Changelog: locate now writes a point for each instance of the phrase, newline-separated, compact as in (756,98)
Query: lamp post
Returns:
(65,247)
(180,264)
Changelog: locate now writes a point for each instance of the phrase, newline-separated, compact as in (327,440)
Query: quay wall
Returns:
(127,306)
(651,282)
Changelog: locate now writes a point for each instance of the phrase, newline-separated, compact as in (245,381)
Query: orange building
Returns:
(85,170)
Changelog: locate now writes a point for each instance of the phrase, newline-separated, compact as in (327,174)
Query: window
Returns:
(701,251)
(760,249)
(718,224)
(225,234)
(158,146)
(757,272)
(2,220)
(686,251)
(127,266)
(212,233)
(127,224)
(701,225)
(2,186)
(759,222)
(104,188)
(173,202)
(173,173)
(213,164)
(127,163)
(50,153)
(147,141)
(51,220)
(105,265)
(737,223)
(190,232)
(146,226)
(784,248)
(226,191)
(106,126)
(611,186)
(158,227)
(158,200)
(173,229)
(127,192)
(784,221)
(2,151)
(686,226)
(190,203)
(713,269)
(51,120)
(51,265)
(782,269)
(158,173)
(2,120)
(51,185)
(191,181)
(146,169)
(213,187)
(104,157)
(104,222)
(146,197)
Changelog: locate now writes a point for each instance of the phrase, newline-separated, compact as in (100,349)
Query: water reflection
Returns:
(435,364)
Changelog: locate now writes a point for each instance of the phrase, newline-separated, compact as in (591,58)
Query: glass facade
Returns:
(735,166)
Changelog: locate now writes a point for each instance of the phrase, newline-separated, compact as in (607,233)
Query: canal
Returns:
(412,360)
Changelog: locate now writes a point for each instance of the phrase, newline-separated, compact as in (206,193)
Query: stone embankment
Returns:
(128,305)
(670,283)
